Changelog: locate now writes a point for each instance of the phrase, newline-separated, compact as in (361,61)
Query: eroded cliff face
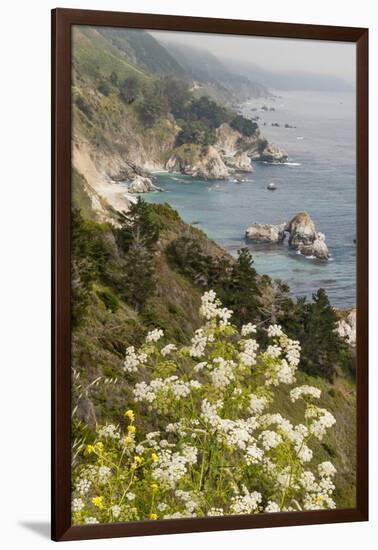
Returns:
(203,162)
(232,143)
(232,152)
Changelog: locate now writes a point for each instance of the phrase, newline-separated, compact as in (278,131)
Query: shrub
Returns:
(109,299)
(208,111)
(83,105)
(244,125)
(218,445)
(104,88)
(196,132)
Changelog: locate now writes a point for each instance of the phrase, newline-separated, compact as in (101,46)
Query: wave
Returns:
(292,163)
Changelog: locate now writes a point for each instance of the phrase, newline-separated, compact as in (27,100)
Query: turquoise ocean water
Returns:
(319,178)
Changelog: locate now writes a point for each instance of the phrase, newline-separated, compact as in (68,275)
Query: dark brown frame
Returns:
(62,20)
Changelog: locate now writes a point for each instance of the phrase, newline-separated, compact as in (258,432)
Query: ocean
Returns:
(320,178)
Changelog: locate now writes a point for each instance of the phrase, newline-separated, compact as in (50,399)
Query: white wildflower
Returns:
(272,507)
(305,390)
(109,430)
(154,335)
(270,439)
(257,404)
(245,504)
(77,504)
(274,331)
(168,349)
(104,472)
(90,520)
(133,360)
(248,355)
(83,486)
(200,366)
(116,511)
(215,512)
(248,329)
(326,469)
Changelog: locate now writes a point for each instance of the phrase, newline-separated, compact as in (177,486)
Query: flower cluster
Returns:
(214,442)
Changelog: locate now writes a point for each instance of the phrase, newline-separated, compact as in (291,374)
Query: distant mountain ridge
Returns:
(204,67)
(289,80)
(166,58)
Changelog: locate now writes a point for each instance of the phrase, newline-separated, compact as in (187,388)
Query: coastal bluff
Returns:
(298,234)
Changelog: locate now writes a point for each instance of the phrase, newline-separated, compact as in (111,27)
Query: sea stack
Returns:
(299,234)
(304,237)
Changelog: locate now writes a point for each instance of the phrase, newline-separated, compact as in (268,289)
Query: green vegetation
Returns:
(244,125)
(196,132)
(146,269)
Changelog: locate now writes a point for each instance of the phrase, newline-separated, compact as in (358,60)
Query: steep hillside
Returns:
(177,268)
(213,78)
(134,106)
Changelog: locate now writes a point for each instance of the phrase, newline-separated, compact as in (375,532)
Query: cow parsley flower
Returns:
(305,390)
(248,355)
(270,439)
(116,511)
(245,504)
(91,519)
(272,507)
(77,504)
(274,331)
(248,329)
(168,349)
(154,335)
(326,469)
(109,430)
(133,360)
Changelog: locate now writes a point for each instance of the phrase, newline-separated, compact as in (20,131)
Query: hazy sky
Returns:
(277,54)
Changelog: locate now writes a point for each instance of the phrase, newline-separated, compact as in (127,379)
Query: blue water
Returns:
(319,178)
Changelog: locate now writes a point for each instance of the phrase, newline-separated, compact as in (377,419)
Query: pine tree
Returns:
(240,290)
(137,225)
(137,238)
(139,276)
(323,350)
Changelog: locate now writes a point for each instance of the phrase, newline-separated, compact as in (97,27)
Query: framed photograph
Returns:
(210,274)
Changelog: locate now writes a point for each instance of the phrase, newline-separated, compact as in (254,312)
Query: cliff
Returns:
(128,118)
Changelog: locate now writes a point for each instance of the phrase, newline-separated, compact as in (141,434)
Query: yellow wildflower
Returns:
(153,516)
(137,462)
(129,414)
(154,457)
(131,429)
(154,487)
(90,449)
(97,501)
(99,446)
(127,440)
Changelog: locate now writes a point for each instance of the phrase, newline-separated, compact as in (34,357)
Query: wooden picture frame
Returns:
(62,21)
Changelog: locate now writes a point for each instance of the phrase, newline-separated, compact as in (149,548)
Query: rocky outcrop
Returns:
(299,234)
(142,184)
(270,153)
(265,233)
(240,162)
(346,328)
(304,238)
(230,143)
(199,162)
